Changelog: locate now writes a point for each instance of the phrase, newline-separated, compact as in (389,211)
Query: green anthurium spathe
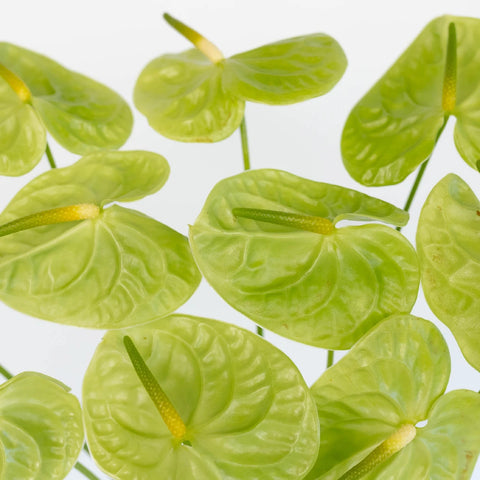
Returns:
(41,428)
(396,125)
(371,401)
(448,244)
(22,133)
(237,407)
(37,94)
(268,242)
(68,257)
(199,96)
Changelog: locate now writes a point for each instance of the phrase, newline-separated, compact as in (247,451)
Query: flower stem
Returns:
(51,160)
(244,137)
(246,166)
(414,188)
(5,373)
(421,171)
(330,357)
(449,97)
(83,469)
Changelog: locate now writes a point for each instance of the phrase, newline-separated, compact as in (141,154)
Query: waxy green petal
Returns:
(448,243)
(81,114)
(41,428)
(200,97)
(324,290)
(247,410)
(183,98)
(22,134)
(446,448)
(395,376)
(121,268)
(288,71)
(394,127)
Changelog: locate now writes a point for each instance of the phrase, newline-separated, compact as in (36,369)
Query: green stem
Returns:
(244,137)
(421,171)
(330,357)
(414,188)
(51,160)
(5,373)
(246,166)
(83,469)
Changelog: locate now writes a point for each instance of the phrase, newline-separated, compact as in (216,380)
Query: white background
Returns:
(112,41)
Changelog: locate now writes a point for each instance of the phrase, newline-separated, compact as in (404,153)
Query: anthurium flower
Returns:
(448,244)
(395,126)
(194,398)
(41,428)
(199,96)
(383,412)
(37,94)
(270,244)
(68,256)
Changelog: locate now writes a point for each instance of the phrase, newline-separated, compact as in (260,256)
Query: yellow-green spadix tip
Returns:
(16,83)
(204,45)
(71,213)
(167,411)
(393,444)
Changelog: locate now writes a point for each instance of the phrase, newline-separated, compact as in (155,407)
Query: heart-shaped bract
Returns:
(114,268)
(448,244)
(41,428)
(266,241)
(37,94)
(199,96)
(371,401)
(246,409)
(396,125)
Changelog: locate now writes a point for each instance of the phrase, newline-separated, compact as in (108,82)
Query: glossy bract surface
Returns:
(325,290)
(394,127)
(121,268)
(188,97)
(81,114)
(448,244)
(41,428)
(396,375)
(247,410)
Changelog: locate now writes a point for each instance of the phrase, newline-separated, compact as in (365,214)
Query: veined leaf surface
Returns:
(81,114)
(118,269)
(287,71)
(396,376)
(394,127)
(325,290)
(247,410)
(41,428)
(192,98)
(22,134)
(183,98)
(448,243)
